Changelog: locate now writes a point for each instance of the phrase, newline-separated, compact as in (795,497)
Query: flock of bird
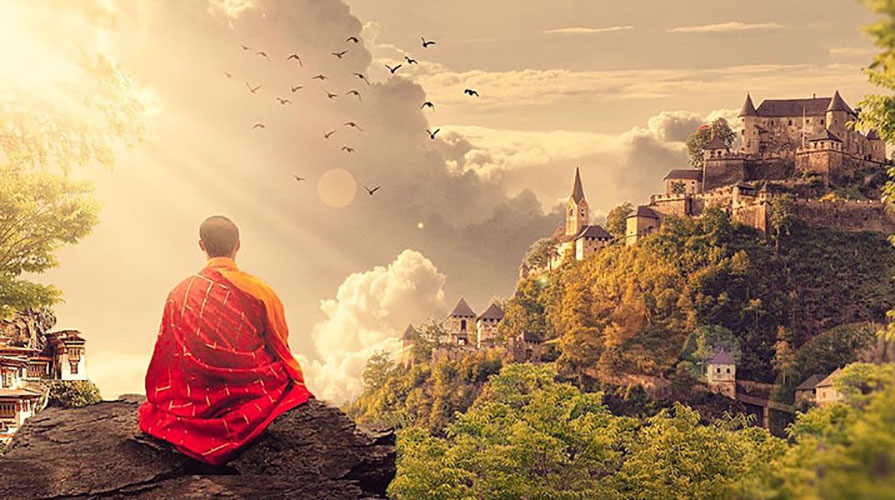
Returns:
(327,134)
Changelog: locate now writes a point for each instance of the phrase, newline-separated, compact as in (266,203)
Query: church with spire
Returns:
(579,238)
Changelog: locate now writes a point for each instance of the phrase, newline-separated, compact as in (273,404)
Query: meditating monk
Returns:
(222,370)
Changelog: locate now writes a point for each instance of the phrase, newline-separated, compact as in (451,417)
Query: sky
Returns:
(611,86)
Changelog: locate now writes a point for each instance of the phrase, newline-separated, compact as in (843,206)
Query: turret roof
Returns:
(594,231)
(462,309)
(644,211)
(684,173)
(748,108)
(722,358)
(577,189)
(493,312)
(837,104)
(813,106)
(824,135)
(716,143)
(408,333)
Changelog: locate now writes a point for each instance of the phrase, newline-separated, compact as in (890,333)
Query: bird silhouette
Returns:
(258,125)
(228,74)
(330,94)
(362,77)
(432,134)
(327,135)
(428,104)
(297,88)
(245,47)
(284,101)
(339,54)
(471,93)
(353,125)
(353,39)
(347,149)
(426,43)
(354,92)
(253,89)
(396,68)
(296,57)
(371,192)
(320,77)
(262,54)
(299,179)
(410,60)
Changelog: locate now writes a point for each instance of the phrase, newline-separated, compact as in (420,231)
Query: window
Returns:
(74,367)
(718,369)
(790,123)
(728,370)
(7,410)
(462,325)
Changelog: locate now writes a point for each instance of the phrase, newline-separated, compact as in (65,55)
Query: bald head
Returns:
(219,237)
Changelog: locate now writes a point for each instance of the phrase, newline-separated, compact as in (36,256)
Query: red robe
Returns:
(222,369)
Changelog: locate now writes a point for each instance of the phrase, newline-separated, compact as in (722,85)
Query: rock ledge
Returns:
(314,451)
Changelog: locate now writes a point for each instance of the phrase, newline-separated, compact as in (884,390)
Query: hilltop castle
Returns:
(788,145)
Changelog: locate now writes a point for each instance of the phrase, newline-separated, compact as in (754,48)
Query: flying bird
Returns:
(410,60)
(319,77)
(245,47)
(354,92)
(297,88)
(353,125)
(396,68)
(262,54)
(284,101)
(371,191)
(253,89)
(428,104)
(296,57)
(426,43)
(258,125)
(330,94)
(347,149)
(362,77)
(299,179)
(471,93)
(432,134)
(339,54)
(353,39)
(327,135)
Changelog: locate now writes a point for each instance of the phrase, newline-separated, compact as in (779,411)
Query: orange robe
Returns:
(221,371)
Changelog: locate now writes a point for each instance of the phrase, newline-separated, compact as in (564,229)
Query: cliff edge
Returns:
(97,451)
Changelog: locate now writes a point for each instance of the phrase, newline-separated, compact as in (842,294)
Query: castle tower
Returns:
(577,214)
(749,116)
(405,354)
(838,114)
(461,322)
(721,374)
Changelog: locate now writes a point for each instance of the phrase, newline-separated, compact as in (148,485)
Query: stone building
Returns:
(486,326)
(721,374)
(641,222)
(806,392)
(527,347)
(405,354)
(579,238)
(460,323)
(826,392)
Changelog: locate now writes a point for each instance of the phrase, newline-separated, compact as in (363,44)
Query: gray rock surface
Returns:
(314,451)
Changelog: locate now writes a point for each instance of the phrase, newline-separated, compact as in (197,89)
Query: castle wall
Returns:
(723,170)
(755,216)
(846,215)
(677,205)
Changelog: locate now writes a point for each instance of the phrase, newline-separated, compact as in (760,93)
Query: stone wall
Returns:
(724,171)
(755,216)
(846,215)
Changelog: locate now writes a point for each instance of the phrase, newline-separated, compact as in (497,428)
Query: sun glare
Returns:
(337,188)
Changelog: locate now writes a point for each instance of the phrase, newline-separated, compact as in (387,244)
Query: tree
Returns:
(784,361)
(39,213)
(701,138)
(617,220)
(377,370)
(539,254)
(782,218)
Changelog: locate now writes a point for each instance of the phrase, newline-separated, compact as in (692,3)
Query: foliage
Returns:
(377,370)
(539,254)
(72,393)
(781,218)
(701,138)
(39,213)
(704,343)
(617,220)
(528,309)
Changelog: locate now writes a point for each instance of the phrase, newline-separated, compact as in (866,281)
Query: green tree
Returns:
(540,253)
(782,218)
(617,220)
(72,393)
(701,138)
(377,370)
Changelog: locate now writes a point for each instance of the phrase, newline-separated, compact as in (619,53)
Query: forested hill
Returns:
(631,310)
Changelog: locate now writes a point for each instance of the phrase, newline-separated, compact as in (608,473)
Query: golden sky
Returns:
(612,86)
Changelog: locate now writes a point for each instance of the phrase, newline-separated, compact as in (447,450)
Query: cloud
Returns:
(853,52)
(586,31)
(369,313)
(730,27)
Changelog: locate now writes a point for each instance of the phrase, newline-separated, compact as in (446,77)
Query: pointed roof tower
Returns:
(408,333)
(748,108)
(838,104)
(577,189)
(493,312)
(462,310)
(722,358)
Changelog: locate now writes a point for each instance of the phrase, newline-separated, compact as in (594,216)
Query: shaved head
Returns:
(219,236)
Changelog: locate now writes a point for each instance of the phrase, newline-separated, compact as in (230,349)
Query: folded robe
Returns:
(221,370)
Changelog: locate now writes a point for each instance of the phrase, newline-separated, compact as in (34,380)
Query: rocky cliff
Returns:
(314,451)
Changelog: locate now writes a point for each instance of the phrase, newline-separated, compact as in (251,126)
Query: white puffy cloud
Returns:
(369,313)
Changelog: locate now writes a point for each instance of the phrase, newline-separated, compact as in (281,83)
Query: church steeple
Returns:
(577,215)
